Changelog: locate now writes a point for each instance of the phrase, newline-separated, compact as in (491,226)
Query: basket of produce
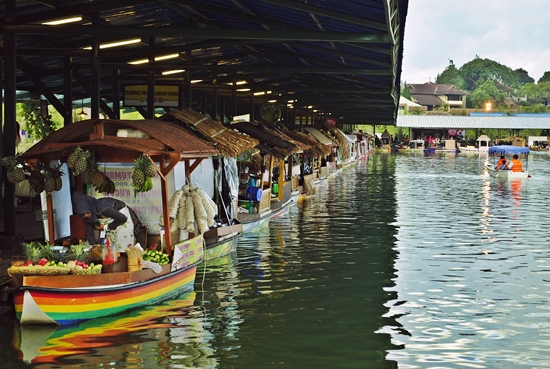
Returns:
(81,268)
(37,270)
(41,259)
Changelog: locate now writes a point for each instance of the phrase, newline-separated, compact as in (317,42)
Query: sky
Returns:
(511,32)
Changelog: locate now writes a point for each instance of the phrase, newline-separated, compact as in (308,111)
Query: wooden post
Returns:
(270,173)
(281,179)
(165,211)
(51,229)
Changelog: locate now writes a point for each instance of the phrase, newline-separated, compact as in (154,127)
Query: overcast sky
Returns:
(510,32)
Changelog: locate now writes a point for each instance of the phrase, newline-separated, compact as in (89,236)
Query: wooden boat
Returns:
(412,146)
(506,150)
(70,299)
(221,241)
(92,341)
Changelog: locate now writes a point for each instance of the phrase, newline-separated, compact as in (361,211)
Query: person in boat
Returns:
(503,165)
(516,165)
(91,209)
(501,161)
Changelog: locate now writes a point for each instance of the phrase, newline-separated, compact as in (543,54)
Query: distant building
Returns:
(433,96)
(406,105)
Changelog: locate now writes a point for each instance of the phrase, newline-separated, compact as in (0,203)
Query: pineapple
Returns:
(32,251)
(49,182)
(73,158)
(57,173)
(85,177)
(79,252)
(36,181)
(81,162)
(15,173)
(47,251)
(138,178)
(96,177)
(148,168)
(52,179)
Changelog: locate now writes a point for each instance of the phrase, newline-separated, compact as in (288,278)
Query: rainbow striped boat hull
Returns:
(41,302)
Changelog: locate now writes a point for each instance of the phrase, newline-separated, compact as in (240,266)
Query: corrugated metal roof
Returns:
(460,122)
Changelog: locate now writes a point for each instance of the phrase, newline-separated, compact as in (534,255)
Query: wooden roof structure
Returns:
(164,142)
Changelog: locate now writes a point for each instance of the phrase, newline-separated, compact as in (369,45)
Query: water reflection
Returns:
(156,335)
(406,261)
(472,268)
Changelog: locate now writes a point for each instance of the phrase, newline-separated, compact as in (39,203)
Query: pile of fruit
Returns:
(156,257)
(42,259)
(143,174)
(45,262)
(81,267)
(85,164)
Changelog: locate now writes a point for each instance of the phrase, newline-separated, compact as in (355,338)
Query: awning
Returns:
(508,150)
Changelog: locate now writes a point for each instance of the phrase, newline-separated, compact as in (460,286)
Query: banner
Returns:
(188,252)
(147,205)
(457,132)
(165,96)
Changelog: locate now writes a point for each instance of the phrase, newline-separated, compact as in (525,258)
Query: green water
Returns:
(404,261)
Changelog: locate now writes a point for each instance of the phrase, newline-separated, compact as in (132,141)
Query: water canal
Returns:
(405,261)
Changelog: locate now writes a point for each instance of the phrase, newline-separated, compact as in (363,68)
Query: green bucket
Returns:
(248,205)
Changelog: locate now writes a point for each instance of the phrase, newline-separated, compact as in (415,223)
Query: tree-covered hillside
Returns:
(489,81)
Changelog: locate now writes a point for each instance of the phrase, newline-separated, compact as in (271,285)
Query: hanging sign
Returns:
(188,252)
(165,95)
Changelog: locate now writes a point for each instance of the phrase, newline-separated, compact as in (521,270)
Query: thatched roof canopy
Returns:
(271,142)
(315,148)
(229,142)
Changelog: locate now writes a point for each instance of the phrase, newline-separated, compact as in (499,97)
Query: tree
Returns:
(477,71)
(545,77)
(450,76)
(406,91)
(532,91)
(486,92)
(35,124)
(523,76)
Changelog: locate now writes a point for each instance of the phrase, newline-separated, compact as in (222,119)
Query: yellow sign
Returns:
(188,252)
(165,96)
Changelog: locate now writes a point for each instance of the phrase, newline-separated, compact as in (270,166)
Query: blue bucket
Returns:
(253,193)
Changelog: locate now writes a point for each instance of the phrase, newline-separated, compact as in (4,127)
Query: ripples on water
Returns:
(472,265)
(404,261)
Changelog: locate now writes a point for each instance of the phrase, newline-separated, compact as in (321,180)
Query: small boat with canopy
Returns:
(506,150)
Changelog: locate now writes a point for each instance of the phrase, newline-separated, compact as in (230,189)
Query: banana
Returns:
(101,188)
(111,186)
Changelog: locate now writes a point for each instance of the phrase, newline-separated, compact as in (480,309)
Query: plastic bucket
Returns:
(253,193)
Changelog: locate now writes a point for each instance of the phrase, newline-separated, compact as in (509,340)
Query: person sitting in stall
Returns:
(516,165)
(91,209)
